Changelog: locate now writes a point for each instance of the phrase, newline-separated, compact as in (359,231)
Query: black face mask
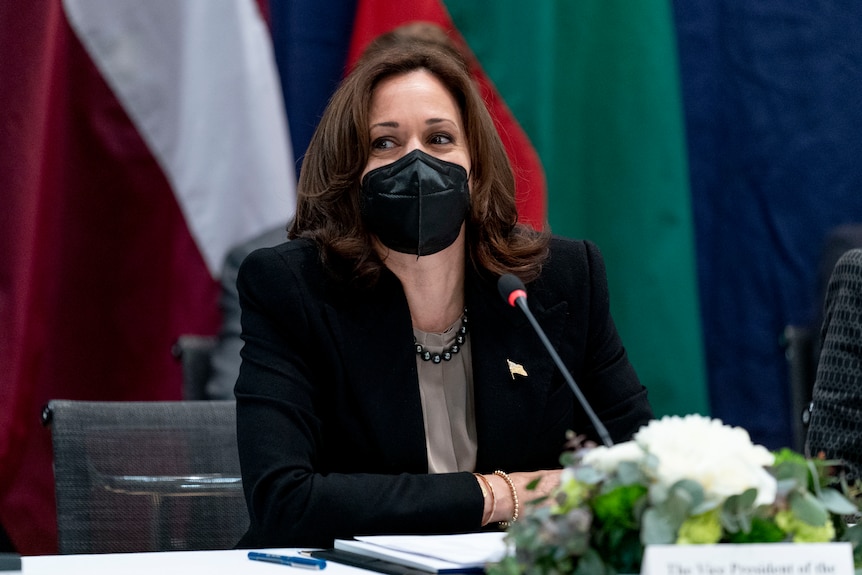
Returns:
(416,205)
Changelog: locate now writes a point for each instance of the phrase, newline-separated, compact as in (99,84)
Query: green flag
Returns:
(595,84)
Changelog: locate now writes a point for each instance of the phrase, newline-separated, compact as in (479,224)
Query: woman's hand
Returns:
(501,496)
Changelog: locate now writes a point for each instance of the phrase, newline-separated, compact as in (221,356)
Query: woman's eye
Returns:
(440,139)
(382,144)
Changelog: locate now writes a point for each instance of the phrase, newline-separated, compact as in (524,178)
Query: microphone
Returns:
(515,294)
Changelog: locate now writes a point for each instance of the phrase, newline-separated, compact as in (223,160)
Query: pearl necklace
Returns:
(448,353)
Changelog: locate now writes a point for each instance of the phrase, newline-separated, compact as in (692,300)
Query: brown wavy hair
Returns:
(328,193)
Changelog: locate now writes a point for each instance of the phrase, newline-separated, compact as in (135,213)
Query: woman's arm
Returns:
(623,405)
(606,377)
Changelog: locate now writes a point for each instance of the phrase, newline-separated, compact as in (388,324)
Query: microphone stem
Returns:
(597,423)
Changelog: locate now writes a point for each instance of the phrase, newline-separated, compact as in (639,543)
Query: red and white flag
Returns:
(139,141)
(197,79)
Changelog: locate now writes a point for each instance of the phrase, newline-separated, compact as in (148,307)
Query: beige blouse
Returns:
(447,403)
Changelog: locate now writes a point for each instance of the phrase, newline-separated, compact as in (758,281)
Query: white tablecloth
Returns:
(233,562)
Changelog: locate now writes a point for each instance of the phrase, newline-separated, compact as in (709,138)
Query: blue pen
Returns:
(292,561)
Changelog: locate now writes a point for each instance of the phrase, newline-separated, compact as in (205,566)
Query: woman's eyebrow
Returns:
(430,121)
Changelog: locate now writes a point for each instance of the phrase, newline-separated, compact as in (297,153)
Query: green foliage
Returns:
(703,529)
(599,520)
(616,508)
(738,511)
(762,530)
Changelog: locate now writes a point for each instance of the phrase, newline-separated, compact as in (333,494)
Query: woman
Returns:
(836,414)
(385,387)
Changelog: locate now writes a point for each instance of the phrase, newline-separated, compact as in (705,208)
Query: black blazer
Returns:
(329,417)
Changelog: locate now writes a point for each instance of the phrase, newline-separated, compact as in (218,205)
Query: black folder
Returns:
(374,564)
(10,562)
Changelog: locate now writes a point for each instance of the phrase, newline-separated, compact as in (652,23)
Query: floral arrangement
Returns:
(681,480)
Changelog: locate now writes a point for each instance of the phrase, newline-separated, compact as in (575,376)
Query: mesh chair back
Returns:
(146,476)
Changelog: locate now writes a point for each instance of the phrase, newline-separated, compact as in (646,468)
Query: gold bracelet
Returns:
(490,487)
(516,509)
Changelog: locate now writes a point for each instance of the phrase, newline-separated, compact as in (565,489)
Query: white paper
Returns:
(434,553)
(469,548)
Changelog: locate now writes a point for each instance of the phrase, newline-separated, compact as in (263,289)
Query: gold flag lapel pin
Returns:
(516,369)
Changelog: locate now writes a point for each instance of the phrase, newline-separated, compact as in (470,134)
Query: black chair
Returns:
(146,476)
(800,350)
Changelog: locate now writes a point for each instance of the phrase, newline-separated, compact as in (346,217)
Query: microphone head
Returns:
(511,288)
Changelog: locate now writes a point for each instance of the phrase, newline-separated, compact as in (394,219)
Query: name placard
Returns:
(749,559)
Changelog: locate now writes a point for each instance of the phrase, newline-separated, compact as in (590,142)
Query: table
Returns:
(231,562)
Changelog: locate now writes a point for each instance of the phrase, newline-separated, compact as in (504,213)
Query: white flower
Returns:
(607,459)
(721,458)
